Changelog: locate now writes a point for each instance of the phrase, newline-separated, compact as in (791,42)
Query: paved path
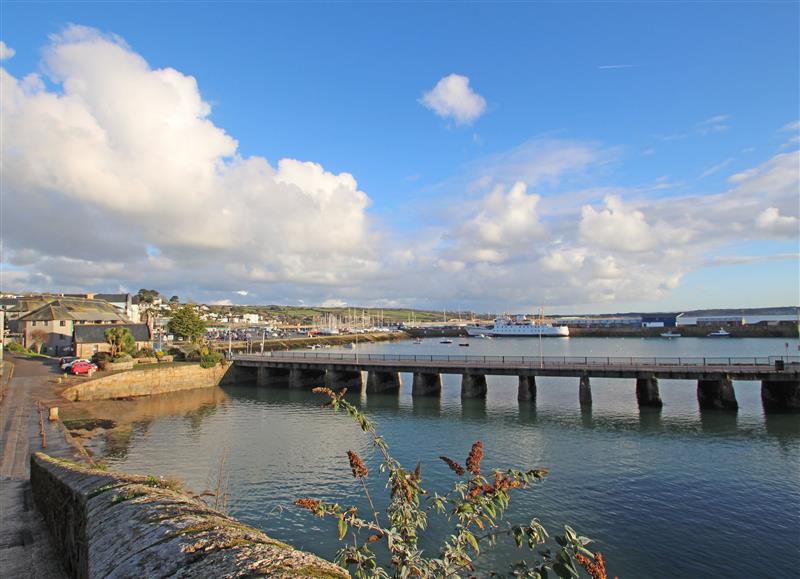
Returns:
(25,548)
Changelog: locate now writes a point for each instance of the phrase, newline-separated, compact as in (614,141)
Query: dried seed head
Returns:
(310,504)
(474,459)
(357,465)
(454,466)
(326,391)
(596,569)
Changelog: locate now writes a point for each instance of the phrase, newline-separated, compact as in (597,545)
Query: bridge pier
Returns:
(426,384)
(716,393)
(473,386)
(306,378)
(527,388)
(780,395)
(378,381)
(585,391)
(272,376)
(647,393)
(337,379)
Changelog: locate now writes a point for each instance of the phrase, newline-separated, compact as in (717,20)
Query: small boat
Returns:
(418,341)
(721,333)
(465,344)
(446,341)
(670,334)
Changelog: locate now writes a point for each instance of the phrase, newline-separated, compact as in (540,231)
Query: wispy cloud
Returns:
(716,168)
(715,124)
(614,66)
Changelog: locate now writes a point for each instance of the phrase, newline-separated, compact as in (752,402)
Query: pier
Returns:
(779,376)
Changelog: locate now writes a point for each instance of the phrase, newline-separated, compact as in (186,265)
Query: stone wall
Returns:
(113,525)
(158,380)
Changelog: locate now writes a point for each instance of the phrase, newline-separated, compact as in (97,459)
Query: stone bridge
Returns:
(779,376)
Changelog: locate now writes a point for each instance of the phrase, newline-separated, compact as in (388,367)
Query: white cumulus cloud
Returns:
(452,97)
(136,150)
(771,221)
(6,51)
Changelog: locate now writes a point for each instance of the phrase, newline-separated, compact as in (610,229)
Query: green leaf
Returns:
(472,541)
(342,527)
(563,571)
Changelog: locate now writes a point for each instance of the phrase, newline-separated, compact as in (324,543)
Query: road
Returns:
(25,547)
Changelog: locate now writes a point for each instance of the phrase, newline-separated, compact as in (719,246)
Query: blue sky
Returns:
(683,114)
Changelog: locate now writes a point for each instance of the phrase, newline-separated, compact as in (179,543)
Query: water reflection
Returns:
(427,406)
(717,421)
(650,419)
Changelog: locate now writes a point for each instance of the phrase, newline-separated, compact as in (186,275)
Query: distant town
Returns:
(61,324)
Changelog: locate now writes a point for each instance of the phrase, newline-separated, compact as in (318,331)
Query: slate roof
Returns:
(76,309)
(96,333)
(116,298)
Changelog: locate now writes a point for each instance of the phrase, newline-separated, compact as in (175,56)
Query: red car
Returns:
(83,368)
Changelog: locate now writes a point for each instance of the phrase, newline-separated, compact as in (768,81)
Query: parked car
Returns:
(69,361)
(66,360)
(82,367)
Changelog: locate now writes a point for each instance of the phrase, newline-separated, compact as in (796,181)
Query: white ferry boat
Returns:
(519,326)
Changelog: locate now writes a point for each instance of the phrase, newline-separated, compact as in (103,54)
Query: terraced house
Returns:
(50,328)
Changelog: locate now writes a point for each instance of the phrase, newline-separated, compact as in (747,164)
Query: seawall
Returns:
(113,525)
(157,380)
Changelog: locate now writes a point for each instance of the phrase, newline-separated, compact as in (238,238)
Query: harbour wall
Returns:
(157,380)
(113,525)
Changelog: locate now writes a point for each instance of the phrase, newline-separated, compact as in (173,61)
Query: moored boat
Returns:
(519,326)
(721,333)
(670,334)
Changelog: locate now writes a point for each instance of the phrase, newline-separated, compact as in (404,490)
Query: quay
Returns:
(779,376)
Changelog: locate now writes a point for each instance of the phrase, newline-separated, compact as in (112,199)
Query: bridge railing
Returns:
(549,361)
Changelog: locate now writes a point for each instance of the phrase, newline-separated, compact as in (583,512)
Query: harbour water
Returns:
(675,493)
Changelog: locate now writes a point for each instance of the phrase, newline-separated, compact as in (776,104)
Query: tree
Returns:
(147,295)
(186,323)
(121,341)
(174,300)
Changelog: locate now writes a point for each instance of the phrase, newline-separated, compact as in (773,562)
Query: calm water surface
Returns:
(676,493)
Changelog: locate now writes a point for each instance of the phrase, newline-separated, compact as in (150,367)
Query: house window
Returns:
(62,323)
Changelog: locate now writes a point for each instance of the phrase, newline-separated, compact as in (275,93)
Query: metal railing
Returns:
(540,361)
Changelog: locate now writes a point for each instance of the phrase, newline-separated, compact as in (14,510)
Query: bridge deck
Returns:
(741,368)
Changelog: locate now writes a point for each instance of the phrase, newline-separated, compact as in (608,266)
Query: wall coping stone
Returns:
(117,525)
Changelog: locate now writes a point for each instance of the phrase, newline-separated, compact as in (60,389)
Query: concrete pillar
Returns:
(383,381)
(647,393)
(527,388)
(716,393)
(585,391)
(306,378)
(780,395)
(272,376)
(338,379)
(425,384)
(473,386)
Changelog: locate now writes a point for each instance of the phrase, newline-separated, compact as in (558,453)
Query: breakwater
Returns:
(160,379)
(107,524)
(277,344)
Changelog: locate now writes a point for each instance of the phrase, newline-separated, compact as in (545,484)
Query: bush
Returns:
(15,347)
(101,358)
(123,358)
(159,354)
(193,356)
(144,353)
(210,359)
(177,354)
